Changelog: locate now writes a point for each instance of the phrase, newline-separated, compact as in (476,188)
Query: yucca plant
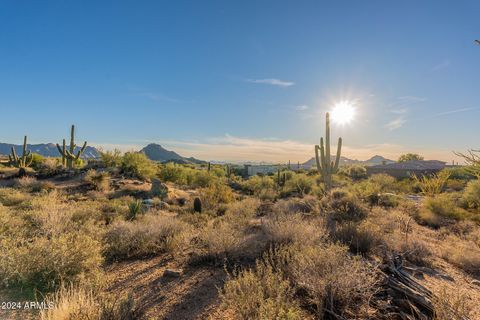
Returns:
(135,208)
(432,185)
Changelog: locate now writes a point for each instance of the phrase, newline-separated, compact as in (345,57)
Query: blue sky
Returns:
(238,80)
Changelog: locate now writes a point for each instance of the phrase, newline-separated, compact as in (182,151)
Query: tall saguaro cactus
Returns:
(25,160)
(68,156)
(325,166)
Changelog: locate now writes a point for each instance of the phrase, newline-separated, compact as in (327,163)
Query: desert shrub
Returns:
(432,185)
(451,304)
(49,166)
(471,195)
(173,172)
(462,254)
(202,178)
(45,263)
(215,194)
(12,197)
(138,165)
(284,228)
(307,204)
(243,210)
(335,281)
(445,205)
(73,302)
(144,237)
(260,186)
(222,239)
(360,238)
(416,251)
(111,159)
(300,184)
(260,293)
(340,205)
(100,181)
(370,190)
(354,172)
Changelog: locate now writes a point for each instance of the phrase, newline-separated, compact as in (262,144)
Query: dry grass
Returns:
(283,228)
(150,235)
(462,254)
(78,303)
(100,181)
(452,304)
(335,281)
(260,293)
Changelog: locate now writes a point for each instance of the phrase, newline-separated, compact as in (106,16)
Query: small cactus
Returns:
(197,205)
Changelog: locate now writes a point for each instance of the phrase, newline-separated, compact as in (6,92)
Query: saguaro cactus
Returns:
(325,166)
(68,156)
(25,160)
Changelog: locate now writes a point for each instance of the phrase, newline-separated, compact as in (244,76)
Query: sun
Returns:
(343,112)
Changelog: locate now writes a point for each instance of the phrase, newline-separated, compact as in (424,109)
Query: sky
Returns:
(243,80)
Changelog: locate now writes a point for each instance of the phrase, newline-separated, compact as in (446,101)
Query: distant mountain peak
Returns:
(156,152)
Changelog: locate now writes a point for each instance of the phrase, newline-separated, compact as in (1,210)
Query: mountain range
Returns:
(344,161)
(46,150)
(158,153)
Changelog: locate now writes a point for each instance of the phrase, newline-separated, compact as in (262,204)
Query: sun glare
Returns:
(343,112)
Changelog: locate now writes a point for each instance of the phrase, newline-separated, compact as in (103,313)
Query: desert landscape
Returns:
(126,237)
(239,160)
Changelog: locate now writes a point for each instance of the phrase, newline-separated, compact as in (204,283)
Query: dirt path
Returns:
(193,295)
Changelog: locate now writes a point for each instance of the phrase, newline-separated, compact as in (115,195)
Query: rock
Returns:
(148,203)
(475,282)
(173,273)
(158,189)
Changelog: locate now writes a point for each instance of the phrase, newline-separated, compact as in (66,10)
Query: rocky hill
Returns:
(158,153)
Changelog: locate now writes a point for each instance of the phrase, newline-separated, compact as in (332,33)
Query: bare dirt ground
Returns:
(192,295)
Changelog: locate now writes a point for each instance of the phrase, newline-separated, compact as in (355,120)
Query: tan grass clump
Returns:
(144,237)
(260,293)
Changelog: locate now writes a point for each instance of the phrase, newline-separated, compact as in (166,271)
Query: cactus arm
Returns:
(322,156)
(60,149)
(80,152)
(317,160)
(339,152)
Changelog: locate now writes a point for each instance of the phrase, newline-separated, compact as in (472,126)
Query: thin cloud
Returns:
(442,65)
(412,98)
(395,124)
(273,82)
(454,111)
(302,108)
(399,111)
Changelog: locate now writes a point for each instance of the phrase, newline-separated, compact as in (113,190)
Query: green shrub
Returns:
(341,206)
(471,195)
(432,185)
(215,194)
(138,165)
(111,159)
(260,186)
(355,172)
(444,205)
(300,184)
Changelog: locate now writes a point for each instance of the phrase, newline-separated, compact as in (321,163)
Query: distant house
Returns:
(408,168)
(252,170)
